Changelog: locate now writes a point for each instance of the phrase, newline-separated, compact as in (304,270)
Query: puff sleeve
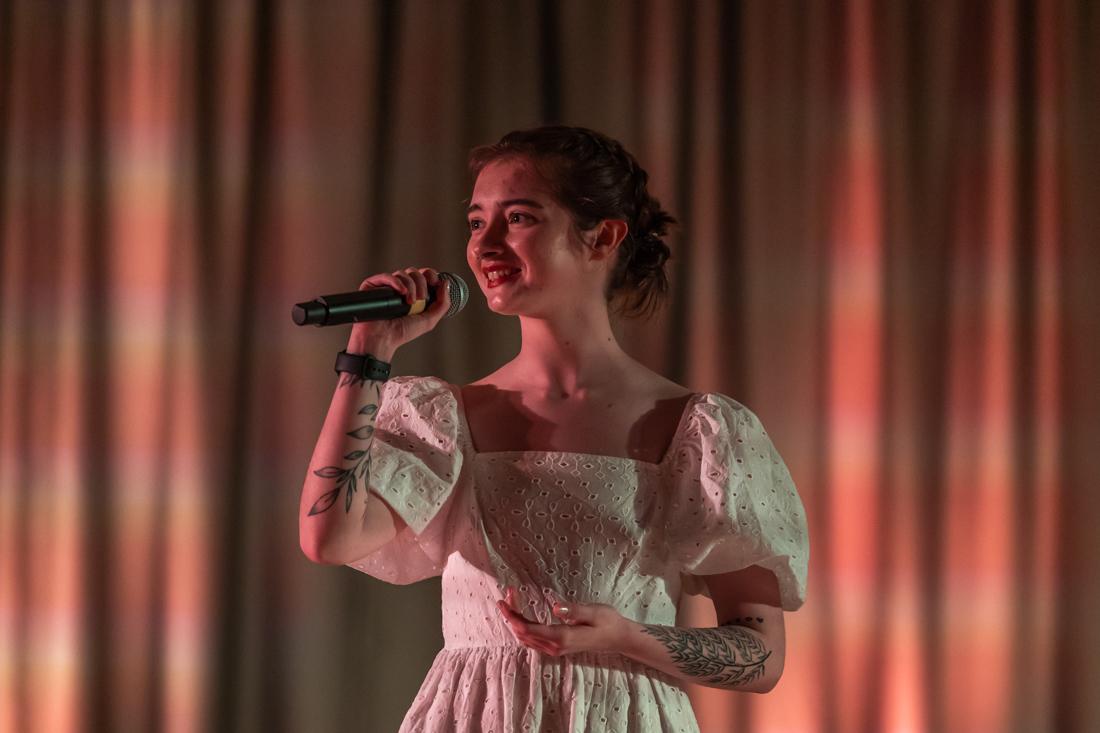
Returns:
(416,467)
(734,504)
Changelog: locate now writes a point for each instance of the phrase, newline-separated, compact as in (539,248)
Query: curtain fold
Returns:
(887,249)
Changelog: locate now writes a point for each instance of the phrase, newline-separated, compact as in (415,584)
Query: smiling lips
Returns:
(498,274)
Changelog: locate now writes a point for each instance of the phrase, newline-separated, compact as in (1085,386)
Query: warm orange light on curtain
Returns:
(854,368)
(884,253)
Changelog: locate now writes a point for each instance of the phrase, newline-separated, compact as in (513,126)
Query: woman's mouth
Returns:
(495,278)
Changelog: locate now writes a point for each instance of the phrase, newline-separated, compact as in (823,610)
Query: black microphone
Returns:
(374,304)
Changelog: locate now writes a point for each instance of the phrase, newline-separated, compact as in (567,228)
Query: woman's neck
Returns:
(569,356)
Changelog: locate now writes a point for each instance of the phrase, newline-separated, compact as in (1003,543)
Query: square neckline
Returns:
(467,436)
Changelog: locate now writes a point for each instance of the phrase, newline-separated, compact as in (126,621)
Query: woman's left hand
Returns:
(584,627)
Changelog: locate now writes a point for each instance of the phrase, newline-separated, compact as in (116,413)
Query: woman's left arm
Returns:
(744,652)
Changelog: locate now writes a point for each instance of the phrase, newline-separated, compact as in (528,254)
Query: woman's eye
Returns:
(517,216)
(474,224)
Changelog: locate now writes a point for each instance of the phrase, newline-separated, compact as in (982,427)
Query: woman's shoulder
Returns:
(637,389)
(662,388)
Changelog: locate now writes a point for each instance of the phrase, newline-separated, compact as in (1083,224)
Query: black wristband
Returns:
(364,366)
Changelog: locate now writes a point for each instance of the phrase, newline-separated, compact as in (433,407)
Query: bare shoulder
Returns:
(490,384)
(501,376)
(650,385)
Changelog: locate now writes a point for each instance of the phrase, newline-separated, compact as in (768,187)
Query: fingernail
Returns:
(561,609)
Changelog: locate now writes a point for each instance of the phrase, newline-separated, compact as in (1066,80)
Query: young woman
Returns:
(569,498)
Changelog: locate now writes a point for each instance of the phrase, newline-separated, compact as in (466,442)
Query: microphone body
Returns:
(374,304)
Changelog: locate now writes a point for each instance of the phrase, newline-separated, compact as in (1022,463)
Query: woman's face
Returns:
(518,230)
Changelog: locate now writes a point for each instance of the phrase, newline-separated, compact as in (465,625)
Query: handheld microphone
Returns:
(374,304)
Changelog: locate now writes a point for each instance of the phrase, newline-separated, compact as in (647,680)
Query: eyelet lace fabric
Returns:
(585,528)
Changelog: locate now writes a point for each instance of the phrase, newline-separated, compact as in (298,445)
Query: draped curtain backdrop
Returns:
(887,250)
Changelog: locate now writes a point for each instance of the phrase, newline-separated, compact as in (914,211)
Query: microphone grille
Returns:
(458,291)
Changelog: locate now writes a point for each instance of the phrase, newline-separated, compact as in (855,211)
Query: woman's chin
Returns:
(501,304)
(509,304)
(504,311)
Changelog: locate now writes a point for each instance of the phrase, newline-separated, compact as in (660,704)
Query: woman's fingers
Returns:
(407,285)
(420,283)
(393,280)
(439,288)
(515,620)
(526,632)
(542,647)
(546,640)
(414,283)
(382,278)
(530,637)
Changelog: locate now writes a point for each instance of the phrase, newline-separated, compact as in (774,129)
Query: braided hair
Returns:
(596,178)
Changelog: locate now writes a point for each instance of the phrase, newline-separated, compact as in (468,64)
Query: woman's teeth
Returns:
(496,276)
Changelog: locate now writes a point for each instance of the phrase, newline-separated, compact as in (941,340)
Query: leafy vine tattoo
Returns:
(725,656)
(350,477)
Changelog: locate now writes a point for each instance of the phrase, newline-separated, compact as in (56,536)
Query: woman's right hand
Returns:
(382,338)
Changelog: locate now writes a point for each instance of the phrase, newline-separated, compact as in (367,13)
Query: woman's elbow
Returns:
(772,673)
(315,552)
(310,552)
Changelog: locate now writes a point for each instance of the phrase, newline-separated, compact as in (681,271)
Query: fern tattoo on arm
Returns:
(350,478)
(726,656)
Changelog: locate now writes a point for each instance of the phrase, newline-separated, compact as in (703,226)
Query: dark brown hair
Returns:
(595,178)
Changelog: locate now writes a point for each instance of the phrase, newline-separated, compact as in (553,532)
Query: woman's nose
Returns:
(489,241)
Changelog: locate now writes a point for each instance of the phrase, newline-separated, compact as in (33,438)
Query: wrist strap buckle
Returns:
(362,365)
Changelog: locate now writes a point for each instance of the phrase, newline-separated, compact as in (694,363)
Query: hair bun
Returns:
(650,253)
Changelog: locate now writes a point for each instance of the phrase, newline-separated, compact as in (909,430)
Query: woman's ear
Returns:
(609,234)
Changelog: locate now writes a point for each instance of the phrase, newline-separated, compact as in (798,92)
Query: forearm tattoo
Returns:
(349,478)
(727,656)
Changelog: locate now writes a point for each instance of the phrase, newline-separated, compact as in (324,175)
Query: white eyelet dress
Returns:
(584,528)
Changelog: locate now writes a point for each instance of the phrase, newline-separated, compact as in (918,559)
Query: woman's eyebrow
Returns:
(510,202)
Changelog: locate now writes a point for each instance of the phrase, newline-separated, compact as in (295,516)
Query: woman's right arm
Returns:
(332,528)
(337,525)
